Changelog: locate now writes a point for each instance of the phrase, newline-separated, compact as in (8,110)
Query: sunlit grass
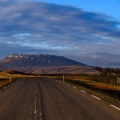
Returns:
(105,86)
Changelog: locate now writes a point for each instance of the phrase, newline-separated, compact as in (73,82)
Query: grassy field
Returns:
(101,85)
(6,78)
(4,82)
(10,76)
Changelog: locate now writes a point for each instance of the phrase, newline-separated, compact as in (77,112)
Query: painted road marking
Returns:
(74,87)
(115,107)
(35,109)
(35,83)
(83,91)
(68,84)
(36,91)
(96,97)
(40,114)
(5,88)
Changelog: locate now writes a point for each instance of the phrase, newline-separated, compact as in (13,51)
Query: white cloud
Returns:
(57,28)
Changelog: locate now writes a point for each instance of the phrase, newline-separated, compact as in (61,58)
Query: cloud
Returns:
(112,60)
(35,26)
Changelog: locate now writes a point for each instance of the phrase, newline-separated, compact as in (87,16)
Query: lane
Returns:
(62,102)
(17,101)
(45,99)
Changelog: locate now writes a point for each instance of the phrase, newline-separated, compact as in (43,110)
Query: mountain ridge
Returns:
(36,60)
(44,64)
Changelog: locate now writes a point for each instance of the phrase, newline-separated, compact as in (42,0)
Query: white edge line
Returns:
(115,107)
(83,91)
(68,84)
(96,97)
(74,87)
(5,88)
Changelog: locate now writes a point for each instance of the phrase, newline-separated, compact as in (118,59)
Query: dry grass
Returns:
(4,82)
(105,88)
(6,79)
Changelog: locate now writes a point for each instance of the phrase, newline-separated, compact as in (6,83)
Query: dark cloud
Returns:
(105,59)
(34,26)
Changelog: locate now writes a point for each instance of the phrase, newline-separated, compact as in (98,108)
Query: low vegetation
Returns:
(7,77)
(104,85)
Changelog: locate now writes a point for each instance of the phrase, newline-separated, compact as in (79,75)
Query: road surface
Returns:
(45,99)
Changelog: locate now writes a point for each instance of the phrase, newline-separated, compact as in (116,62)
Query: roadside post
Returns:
(118,80)
(63,78)
(10,78)
(6,75)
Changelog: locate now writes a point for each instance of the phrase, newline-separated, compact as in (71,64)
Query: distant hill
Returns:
(43,64)
(32,60)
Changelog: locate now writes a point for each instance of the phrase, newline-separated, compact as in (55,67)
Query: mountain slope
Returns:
(44,64)
(32,60)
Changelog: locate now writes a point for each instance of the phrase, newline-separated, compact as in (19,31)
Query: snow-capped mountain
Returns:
(40,60)
(44,64)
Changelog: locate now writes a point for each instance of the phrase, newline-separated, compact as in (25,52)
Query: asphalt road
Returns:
(45,99)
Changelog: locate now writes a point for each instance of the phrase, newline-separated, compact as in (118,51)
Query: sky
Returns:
(87,31)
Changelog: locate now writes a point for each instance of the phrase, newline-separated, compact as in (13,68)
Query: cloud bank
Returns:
(34,27)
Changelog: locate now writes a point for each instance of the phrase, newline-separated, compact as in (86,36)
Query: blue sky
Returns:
(109,7)
(86,30)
